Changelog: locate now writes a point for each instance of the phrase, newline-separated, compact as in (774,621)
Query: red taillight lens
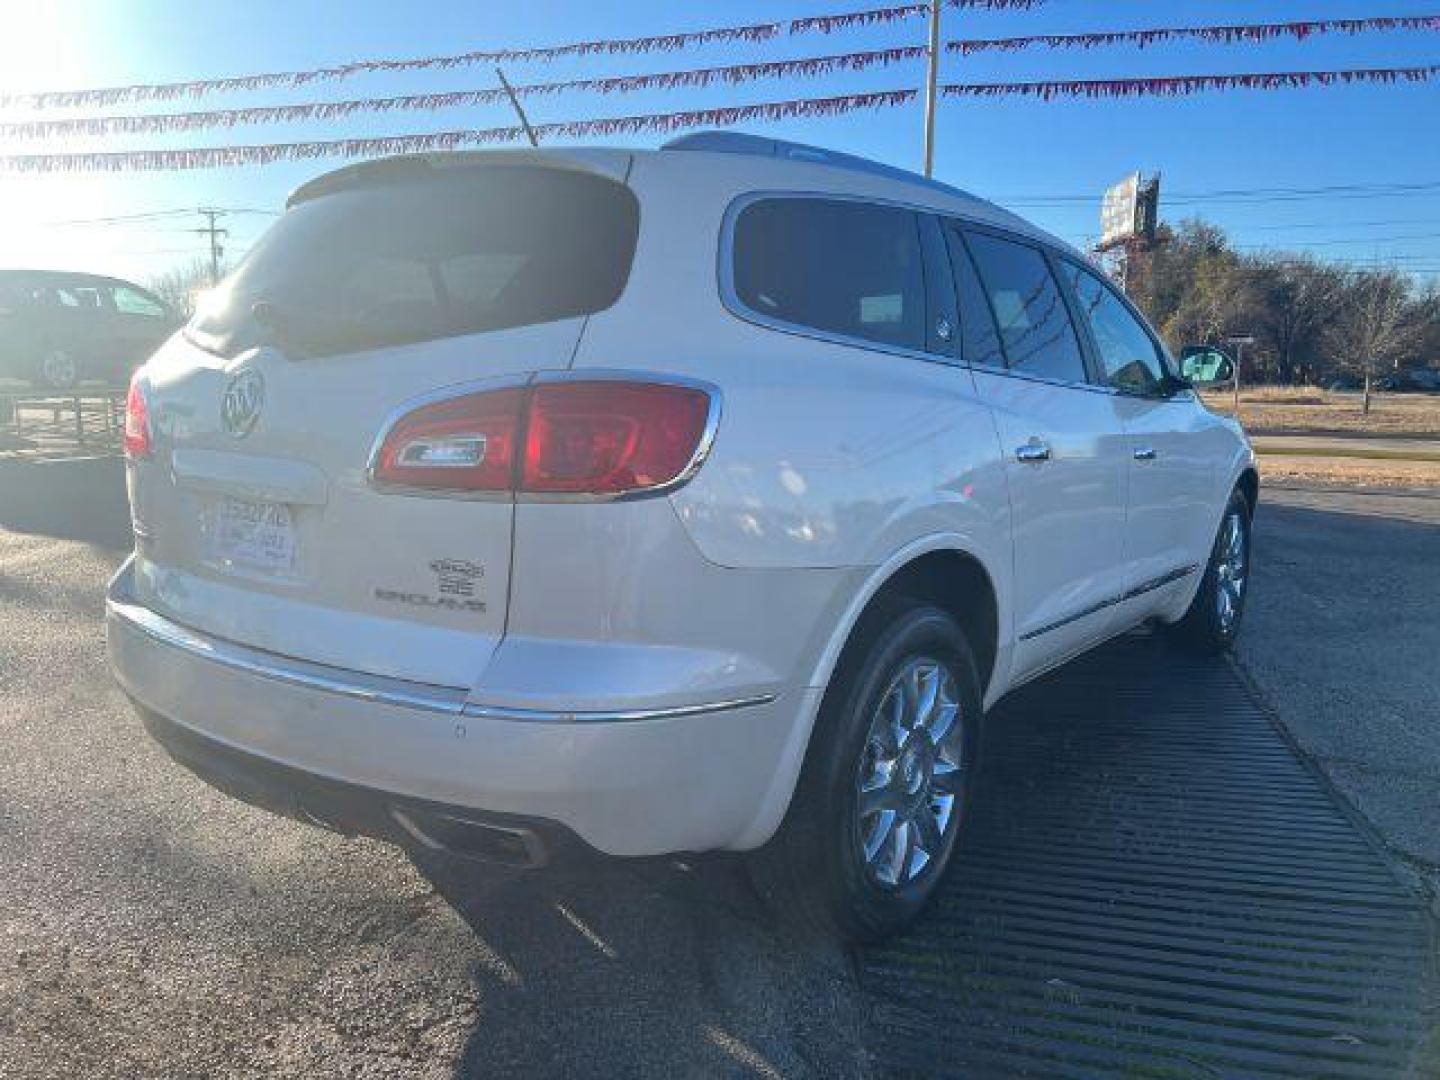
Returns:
(460,444)
(605,438)
(136,437)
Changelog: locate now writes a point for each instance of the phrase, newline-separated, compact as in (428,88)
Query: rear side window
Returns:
(1034,322)
(847,268)
(980,343)
(439,255)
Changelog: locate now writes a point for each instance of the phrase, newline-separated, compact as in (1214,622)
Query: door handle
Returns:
(1145,453)
(1033,452)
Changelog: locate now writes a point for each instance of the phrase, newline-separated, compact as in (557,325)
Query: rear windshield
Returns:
(430,257)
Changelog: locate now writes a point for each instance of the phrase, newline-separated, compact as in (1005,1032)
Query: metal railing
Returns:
(61,424)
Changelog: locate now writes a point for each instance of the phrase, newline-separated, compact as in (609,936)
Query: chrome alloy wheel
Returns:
(1230,570)
(912,773)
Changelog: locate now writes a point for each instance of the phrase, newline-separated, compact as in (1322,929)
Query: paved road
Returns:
(1343,637)
(1366,446)
(150,926)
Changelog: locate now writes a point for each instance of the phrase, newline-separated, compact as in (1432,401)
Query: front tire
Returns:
(1212,622)
(886,786)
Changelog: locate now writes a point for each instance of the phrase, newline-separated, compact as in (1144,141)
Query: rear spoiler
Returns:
(612,163)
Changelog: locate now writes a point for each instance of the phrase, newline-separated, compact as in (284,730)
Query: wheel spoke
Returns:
(876,800)
(928,687)
(902,836)
(943,722)
(879,834)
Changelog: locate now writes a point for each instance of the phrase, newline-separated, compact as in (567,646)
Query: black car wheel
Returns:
(886,786)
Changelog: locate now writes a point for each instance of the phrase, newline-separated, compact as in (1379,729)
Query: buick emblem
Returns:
(243,400)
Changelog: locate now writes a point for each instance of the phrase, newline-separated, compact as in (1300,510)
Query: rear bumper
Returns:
(701,776)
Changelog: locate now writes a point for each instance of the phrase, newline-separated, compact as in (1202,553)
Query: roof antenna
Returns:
(524,120)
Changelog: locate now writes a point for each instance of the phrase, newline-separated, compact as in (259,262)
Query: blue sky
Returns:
(1019,152)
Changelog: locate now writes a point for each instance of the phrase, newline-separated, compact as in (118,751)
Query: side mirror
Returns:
(1205,365)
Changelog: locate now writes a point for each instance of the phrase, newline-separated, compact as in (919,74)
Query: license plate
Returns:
(257,534)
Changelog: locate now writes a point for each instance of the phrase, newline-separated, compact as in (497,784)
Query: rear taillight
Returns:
(459,444)
(136,438)
(597,437)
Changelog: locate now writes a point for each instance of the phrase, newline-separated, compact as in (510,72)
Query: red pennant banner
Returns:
(830,24)
(754,32)
(1217,35)
(100,126)
(214,157)
(1184,85)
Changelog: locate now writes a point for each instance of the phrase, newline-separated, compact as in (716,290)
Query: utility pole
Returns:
(215,235)
(932,86)
(515,104)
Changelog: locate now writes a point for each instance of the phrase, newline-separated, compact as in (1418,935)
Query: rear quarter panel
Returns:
(827,456)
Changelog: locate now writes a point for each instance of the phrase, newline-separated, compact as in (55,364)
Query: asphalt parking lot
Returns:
(150,926)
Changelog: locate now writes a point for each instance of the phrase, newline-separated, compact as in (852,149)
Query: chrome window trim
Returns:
(446,393)
(122,607)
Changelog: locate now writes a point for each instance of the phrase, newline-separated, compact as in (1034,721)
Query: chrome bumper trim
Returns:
(121,606)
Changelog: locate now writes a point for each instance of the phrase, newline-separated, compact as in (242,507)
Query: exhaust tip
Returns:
(477,840)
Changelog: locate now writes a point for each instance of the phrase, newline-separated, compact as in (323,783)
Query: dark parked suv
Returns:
(58,330)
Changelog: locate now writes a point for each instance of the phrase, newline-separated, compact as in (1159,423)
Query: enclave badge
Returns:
(243,400)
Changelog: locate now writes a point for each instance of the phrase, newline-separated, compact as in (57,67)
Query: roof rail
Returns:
(739,142)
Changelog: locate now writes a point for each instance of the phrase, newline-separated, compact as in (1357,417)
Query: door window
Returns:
(1034,322)
(133,302)
(848,268)
(1129,357)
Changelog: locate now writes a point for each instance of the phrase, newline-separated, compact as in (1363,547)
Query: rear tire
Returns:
(1212,622)
(885,790)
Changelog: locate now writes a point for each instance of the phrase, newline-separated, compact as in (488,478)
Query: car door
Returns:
(1064,447)
(1169,520)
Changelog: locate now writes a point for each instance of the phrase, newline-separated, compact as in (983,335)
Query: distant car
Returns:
(58,330)
(1345,382)
(1421,381)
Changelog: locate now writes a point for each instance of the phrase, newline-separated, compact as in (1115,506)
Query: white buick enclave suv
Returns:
(654,501)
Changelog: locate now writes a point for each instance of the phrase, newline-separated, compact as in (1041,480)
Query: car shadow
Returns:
(82,499)
(650,967)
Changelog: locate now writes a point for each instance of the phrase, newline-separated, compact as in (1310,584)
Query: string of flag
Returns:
(1185,85)
(1214,35)
(211,157)
(734,74)
(661,43)
(96,126)
(663,123)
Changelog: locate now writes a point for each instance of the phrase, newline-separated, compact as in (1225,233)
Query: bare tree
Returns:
(181,286)
(1378,325)
(1296,302)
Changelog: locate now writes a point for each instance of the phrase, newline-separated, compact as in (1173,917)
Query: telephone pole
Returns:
(932,86)
(215,234)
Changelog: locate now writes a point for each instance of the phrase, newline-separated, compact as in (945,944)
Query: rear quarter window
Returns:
(847,268)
